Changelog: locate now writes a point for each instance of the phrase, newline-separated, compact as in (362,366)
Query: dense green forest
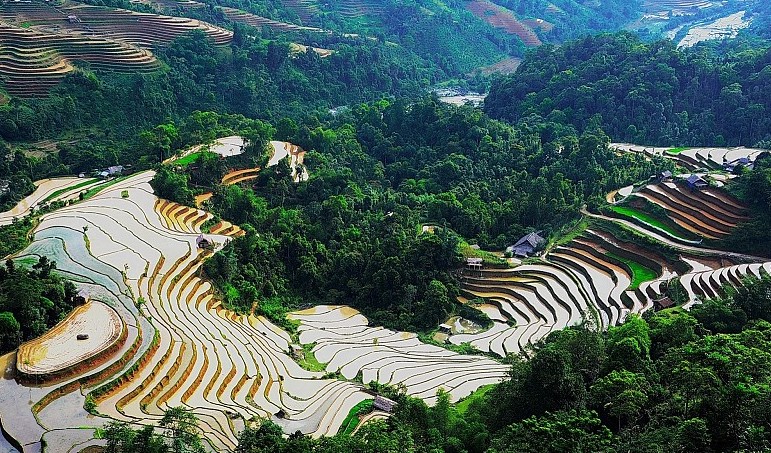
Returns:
(253,77)
(31,301)
(381,171)
(754,188)
(640,92)
(695,381)
(446,36)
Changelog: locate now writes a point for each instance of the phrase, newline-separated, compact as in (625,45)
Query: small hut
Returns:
(297,351)
(664,176)
(663,303)
(81,297)
(382,403)
(696,182)
(474,264)
(202,242)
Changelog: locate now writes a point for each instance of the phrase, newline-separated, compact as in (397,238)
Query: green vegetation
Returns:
(31,301)
(309,361)
(192,157)
(569,232)
(488,258)
(572,19)
(67,189)
(645,218)
(390,160)
(18,171)
(14,237)
(95,190)
(179,434)
(644,92)
(640,273)
(677,150)
(475,398)
(347,236)
(754,189)
(352,420)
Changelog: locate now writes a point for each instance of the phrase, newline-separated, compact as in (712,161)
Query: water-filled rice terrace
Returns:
(695,158)
(657,6)
(182,347)
(170,341)
(620,264)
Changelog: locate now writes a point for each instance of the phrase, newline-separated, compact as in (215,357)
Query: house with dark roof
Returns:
(202,242)
(742,162)
(663,303)
(526,245)
(382,403)
(696,182)
(665,175)
(82,297)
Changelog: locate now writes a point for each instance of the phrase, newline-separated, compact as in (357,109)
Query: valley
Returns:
(138,258)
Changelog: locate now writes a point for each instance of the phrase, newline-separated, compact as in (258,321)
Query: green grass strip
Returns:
(95,190)
(309,360)
(352,420)
(646,218)
(190,158)
(68,188)
(26,262)
(640,273)
(677,150)
(478,395)
(487,257)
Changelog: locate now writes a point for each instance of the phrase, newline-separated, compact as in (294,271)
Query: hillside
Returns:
(255,226)
(272,301)
(645,93)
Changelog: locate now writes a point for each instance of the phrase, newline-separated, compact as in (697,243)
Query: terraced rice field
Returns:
(500,17)
(307,10)
(694,158)
(32,62)
(707,213)
(232,145)
(142,29)
(348,346)
(59,349)
(715,157)
(595,278)
(649,221)
(39,44)
(301,48)
(676,6)
(359,8)
(296,154)
(237,15)
(709,284)
(280,150)
(183,348)
(48,190)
